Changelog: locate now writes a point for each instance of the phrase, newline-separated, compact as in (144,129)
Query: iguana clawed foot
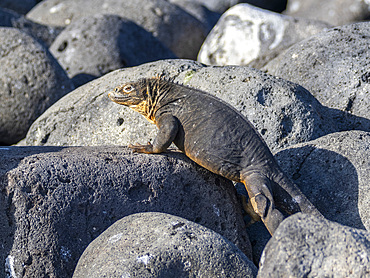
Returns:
(138,148)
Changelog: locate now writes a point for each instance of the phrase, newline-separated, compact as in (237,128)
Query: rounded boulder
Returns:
(245,33)
(57,200)
(333,172)
(161,245)
(31,80)
(93,46)
(174,27)
(306,246)
(333,65)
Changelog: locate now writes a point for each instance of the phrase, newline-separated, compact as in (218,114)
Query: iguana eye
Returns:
(128,88)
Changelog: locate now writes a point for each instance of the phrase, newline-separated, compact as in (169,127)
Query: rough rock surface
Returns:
(55,201)
(334,173)
(245,33)
(30,81)
(175,28)
(282,112)
(155,244)
(335,12)
(339,75)
(305,246)
(93,46)
(44,34)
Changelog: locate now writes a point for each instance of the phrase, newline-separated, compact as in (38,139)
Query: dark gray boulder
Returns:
(245,33)
(54,201)
(283,112)
(30,81)
(155,244)
(175,28)
(333,66)
(305,246)
(335,12)
(44,34)
(93,46)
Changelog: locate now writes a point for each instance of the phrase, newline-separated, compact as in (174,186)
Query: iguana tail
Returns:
(290,198)
(268,198)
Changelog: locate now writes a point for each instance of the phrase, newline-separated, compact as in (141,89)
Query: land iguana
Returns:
(218,137)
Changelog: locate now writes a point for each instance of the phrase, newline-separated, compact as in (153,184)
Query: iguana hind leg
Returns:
(260,197)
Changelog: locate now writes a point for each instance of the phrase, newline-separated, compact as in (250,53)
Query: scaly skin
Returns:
(218,137)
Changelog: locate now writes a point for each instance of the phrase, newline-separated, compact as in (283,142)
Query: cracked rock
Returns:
(333,172)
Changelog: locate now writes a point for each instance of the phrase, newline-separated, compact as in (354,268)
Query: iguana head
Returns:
(141,96)
(130,94)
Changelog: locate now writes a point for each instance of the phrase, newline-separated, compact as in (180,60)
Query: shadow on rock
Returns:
(328,179)
(82,78)
(335,120)
(345,121)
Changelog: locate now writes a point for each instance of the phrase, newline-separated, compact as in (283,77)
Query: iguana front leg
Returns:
(168,127)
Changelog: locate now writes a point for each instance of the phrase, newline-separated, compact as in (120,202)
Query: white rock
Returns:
(245,33)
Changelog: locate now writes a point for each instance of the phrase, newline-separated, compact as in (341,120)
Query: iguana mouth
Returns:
(119,98)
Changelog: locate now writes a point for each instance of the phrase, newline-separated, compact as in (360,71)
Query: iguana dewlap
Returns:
(218,137)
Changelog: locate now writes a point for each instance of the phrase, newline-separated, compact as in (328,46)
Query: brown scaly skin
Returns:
(219,138)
